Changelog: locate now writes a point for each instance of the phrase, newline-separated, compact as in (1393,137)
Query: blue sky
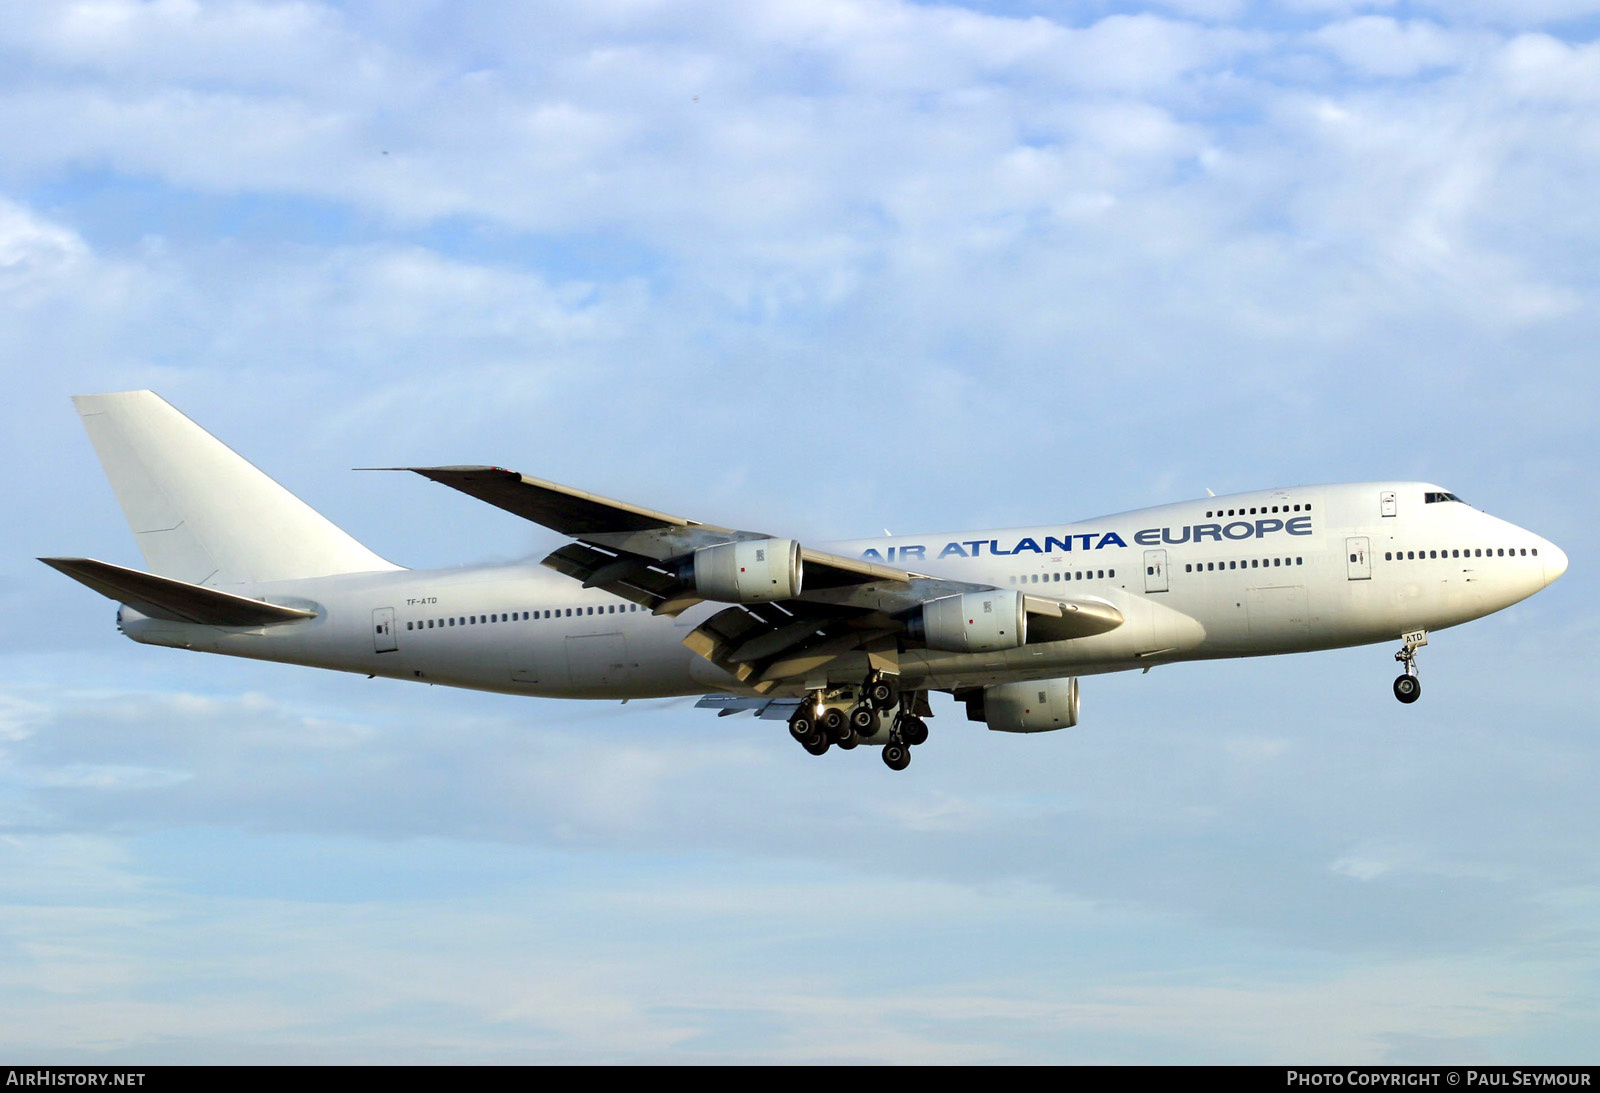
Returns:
(823,268)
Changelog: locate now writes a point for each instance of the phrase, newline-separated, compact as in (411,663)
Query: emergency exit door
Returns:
(383,636)
(1360,564)
(1155,571)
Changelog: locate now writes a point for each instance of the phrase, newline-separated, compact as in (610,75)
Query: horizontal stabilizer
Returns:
(172,600)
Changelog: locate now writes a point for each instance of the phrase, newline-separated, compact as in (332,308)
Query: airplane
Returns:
(843,641)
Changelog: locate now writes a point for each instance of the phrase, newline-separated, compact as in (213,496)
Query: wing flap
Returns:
(630,576)
(173,600)
(767,709)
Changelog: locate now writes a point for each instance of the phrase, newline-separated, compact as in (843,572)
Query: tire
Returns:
(883,694)
(915,731)
(816,746)
(1408,689)
(896,756)
(849,742)
(801,727)
(832,721)
(863,720)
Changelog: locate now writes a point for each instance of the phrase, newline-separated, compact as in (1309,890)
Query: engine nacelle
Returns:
(973,622)
(751,571)
(1039,706)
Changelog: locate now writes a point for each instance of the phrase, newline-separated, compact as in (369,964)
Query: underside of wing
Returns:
(794,609)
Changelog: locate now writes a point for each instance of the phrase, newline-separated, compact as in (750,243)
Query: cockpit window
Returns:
(1433,496)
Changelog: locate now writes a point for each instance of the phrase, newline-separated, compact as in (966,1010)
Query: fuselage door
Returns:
(1155,571)
(383,635)
(1388,503)
(1360,562)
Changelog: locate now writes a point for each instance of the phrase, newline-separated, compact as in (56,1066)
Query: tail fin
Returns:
(200,512)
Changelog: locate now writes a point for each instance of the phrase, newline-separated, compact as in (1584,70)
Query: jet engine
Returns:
(749,571)
(1038,706)
(973,622)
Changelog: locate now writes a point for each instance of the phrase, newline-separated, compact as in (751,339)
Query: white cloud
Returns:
(34,254)
(1380,46)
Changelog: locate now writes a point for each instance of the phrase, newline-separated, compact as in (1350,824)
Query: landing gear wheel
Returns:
(832,721)
(883,693)
(801,726)
(848,742)
(896,756)
(914,731)
(1408,688)
(863,720)
(816,745)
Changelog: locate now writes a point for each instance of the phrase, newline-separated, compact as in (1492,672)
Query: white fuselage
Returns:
(1277,571)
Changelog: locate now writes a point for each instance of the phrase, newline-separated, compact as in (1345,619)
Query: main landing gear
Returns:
(1407,687)
(853,716)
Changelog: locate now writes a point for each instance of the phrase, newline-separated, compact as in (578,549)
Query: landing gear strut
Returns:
(908,731)
(1407,687)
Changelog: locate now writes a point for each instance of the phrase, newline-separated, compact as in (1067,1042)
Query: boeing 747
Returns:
(843,641)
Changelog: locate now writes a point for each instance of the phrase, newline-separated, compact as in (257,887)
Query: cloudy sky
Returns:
(822,266)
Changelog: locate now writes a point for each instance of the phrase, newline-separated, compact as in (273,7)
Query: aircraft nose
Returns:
(1555,561)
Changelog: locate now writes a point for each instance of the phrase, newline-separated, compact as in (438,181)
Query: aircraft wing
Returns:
(844,605)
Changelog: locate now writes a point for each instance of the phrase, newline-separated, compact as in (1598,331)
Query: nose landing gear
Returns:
(1407,687)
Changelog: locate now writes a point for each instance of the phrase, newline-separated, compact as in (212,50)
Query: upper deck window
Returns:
(1434,495)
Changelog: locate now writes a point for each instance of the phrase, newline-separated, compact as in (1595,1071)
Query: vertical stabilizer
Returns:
(200,511)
